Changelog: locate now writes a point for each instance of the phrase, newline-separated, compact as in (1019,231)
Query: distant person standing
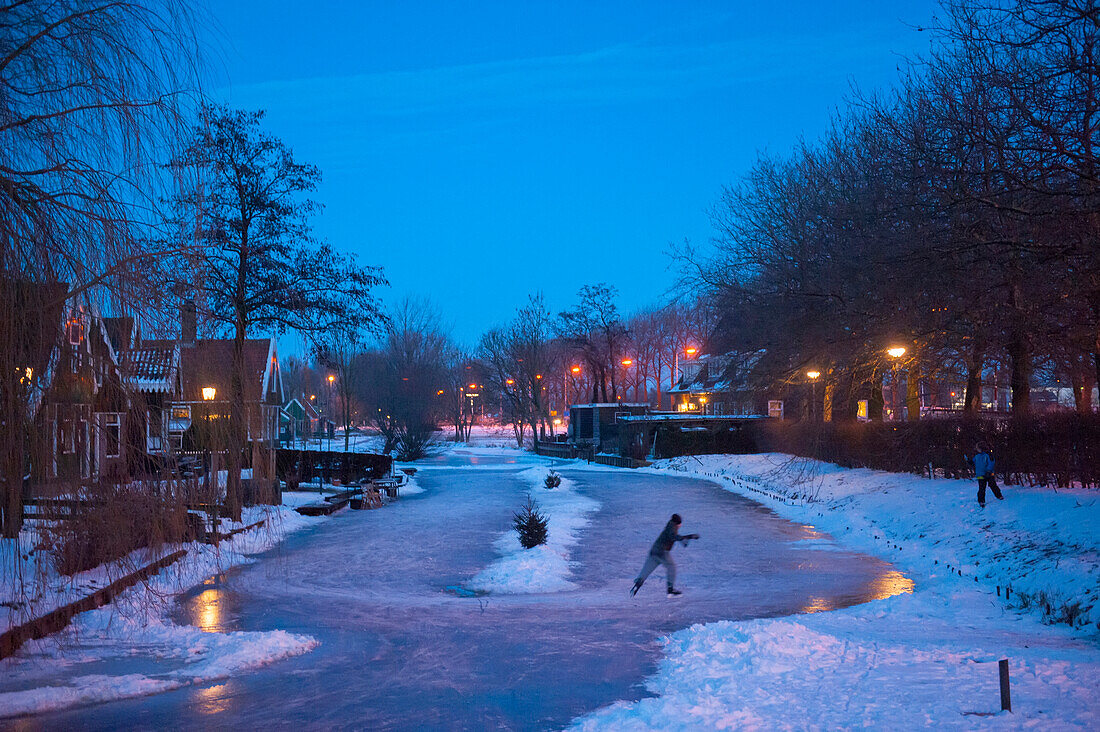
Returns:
(984,466)
(658,554)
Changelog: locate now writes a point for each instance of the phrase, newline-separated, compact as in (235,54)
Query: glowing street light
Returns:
(813,374)
(208,393)
(509,382)
(627,362)
(576,369)
(331,378)
(691,350)
(896,351)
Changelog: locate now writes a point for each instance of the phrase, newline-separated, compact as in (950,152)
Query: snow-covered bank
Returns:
(1042,543)
(544,568)
(138,625)
(926,659)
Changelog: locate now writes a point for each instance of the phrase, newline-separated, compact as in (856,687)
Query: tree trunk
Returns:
(236,436)
(972,402)
(912,392)
(876,402)
(1081,382)
(11,475)
(845,407)
(1019,355)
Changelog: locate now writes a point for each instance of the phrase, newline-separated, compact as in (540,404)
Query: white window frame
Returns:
(112,421)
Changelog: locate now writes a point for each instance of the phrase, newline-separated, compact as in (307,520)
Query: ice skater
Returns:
(658,554)
(983,471)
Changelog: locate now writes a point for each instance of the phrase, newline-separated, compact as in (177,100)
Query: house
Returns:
(595,425)
(75,396)
(152,374)
(303,420)
(719,384)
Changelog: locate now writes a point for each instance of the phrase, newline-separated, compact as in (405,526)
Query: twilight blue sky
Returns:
(480,152)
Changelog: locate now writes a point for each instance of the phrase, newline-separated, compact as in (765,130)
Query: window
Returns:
(75,331)
(112,435)
(181,412)
(67,436)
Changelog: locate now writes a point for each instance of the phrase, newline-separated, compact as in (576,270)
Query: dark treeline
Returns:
(412,378)
(955,216)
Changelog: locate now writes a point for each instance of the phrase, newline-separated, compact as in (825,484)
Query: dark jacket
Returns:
(667,538)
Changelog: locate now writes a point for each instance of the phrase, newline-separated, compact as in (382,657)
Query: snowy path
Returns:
(396,650)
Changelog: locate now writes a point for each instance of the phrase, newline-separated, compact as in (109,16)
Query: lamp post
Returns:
(573,374)
(813,377)
(208,395)
(895,352)
(627,363)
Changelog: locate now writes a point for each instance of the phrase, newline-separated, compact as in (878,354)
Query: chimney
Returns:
(188,322)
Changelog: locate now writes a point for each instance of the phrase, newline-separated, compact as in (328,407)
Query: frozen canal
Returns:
(398,651)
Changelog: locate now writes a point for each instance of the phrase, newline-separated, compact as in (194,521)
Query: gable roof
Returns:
(122,331)
(152,368)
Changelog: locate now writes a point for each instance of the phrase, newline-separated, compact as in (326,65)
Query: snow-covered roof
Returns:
(152,368)
(689,417)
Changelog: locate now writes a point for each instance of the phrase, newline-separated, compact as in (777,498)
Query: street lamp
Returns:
(813,376)
(895,353)
(627,363)
(208,394)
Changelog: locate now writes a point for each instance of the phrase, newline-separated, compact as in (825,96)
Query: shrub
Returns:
(553,480)
(1057,449)
(531,525)
(113,521)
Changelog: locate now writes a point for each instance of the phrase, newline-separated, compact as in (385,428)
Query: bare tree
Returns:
(405,375)
(259,265)
(92,94)
(595,328)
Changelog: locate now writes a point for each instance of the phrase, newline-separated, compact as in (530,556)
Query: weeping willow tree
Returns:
(92,96)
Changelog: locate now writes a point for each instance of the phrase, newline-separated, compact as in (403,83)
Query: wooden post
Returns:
(1006,696)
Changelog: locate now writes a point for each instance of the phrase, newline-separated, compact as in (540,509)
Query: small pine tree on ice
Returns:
(531,525)
(553,480)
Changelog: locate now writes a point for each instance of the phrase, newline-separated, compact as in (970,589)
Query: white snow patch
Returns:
(137,623)
(544,568)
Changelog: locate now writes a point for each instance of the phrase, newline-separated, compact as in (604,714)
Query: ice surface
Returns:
(397,649)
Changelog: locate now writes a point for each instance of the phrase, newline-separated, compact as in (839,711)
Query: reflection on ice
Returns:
(889,584)
(206,610)
(818,605)
(213,699)
(884,585)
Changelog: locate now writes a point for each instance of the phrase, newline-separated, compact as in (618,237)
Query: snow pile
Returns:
(1042,543)
(137,623)
(544,568)
(864,667)
(205,657)
(411,488)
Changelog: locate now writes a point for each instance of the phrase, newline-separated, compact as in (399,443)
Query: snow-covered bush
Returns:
(553,480)
(530,524)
